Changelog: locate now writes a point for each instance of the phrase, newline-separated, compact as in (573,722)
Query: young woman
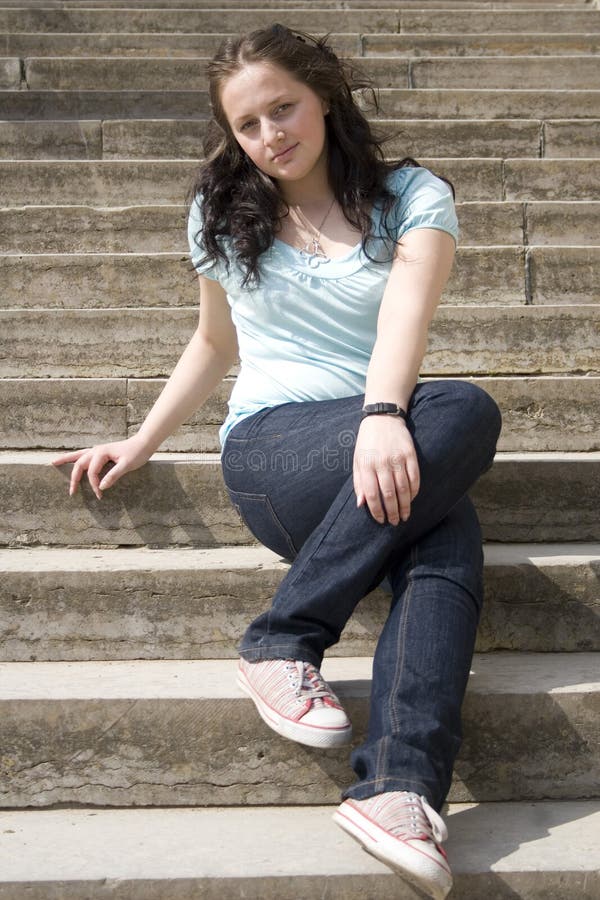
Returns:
(321,266)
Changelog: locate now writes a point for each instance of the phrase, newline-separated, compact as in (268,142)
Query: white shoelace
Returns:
(417,818)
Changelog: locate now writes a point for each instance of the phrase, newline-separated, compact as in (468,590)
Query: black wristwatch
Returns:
(383,409)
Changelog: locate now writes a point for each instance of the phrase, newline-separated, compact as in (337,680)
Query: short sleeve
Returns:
(209,269)
(425,201)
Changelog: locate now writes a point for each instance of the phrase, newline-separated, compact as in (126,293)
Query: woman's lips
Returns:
(284,153)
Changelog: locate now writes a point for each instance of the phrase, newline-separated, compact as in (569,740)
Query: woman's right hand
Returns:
(124,455)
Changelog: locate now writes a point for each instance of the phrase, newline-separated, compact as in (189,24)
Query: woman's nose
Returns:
(271,134)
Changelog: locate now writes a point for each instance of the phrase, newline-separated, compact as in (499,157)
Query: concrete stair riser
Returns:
(140,854)
(162,229)
(413,45)
(107,182)
(62,182)
(539,414)
(218,21)
(414,103)
(527,340)
(104,248)
(196,604)
(393,19)
(115,747)
(164,138)
(182,501)
(83,279)
(500,73)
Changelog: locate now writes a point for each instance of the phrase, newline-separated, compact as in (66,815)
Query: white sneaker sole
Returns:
(433,881)
(310,735)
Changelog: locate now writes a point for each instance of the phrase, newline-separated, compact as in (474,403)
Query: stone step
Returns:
(102,733)
(142,343)
(196,604)
(540,414)
(532,850)
(133,236)
(495,276)
(108,182)
(182,138)
(149,73)
(450,20)
(425,103)
(339,5)
(181,500)
(181,45)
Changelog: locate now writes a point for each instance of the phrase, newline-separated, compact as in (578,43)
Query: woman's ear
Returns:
(324,106)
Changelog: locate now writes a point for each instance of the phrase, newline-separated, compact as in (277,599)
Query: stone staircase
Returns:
(130,766)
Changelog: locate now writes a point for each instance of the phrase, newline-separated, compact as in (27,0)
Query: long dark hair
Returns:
(237,200)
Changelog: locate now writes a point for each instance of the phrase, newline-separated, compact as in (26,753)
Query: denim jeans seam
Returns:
(280,651)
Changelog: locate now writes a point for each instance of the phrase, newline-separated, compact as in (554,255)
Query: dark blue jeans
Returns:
(288,471)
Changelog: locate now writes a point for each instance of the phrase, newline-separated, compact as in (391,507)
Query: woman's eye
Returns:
(248,125)
(282,107)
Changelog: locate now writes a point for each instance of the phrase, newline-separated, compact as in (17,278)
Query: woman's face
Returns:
(278,121)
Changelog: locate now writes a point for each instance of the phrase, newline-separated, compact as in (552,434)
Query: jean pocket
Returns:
(257,514)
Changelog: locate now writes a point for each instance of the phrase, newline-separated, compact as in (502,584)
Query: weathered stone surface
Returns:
(193,20)
(54,413)
(499,21)
(568,139)
(475,44)
(112,74)
(506,73)
(10,73)
(103,733)
(86,229)
(489,224)
(97,280)
(539,414)
(85,343)
(418,137)
(512,341)
(101,183)
(538,851)
(107,182)
(559,223)
(199,434)
(547,414)
(521,500)
(78,104)
(565,275)
(147,342)
(158,139)
(196,604)
(482,275)
(50,140)
(448,103)
(549,179)
(181,500)
(425,103)
(176,500)
(135,44)
(160,231)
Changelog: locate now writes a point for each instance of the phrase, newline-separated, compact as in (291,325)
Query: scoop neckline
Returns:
(332,267)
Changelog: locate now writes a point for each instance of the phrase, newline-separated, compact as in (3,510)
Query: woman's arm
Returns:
(207,358)
(386,472)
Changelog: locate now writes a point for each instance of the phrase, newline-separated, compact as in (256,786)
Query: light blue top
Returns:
(307,331)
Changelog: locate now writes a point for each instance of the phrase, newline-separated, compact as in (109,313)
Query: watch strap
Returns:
(383,409)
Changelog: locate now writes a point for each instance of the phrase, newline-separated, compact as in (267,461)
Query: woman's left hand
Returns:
(386,470)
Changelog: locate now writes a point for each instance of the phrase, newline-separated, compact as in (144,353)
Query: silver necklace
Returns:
(312,250)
